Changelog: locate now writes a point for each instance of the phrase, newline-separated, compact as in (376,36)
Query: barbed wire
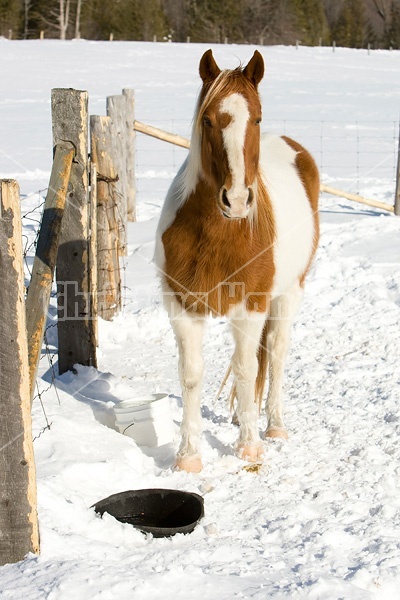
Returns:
(122,267)
(32,216)
(31,221)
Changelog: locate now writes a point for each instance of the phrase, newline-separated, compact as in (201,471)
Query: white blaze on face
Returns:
(233,136)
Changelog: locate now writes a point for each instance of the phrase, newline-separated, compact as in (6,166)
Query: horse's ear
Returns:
(208,68)
(255,69)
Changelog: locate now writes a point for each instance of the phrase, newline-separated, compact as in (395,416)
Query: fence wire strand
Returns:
(31,221)
(346,152)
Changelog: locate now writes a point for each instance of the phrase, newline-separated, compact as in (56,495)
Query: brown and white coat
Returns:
(236,238)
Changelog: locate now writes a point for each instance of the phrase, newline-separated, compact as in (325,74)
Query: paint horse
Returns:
(236,237)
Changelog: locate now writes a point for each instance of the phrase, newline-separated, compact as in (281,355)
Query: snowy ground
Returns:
(321,518)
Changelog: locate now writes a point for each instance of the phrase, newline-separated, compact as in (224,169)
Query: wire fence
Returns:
(31,215)
(358,156)
(32,206)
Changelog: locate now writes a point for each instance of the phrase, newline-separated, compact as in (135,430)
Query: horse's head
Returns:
(228,122)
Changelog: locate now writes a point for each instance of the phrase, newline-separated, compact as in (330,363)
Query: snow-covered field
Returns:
(321,518)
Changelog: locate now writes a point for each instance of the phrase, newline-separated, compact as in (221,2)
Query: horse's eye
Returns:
(207,122)
(258,121)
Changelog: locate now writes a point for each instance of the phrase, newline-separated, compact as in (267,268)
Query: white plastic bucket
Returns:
(148,421)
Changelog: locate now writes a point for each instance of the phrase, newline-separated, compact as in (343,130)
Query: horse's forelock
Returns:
(227,82)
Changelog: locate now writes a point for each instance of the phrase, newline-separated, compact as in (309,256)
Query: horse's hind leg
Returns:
(189,336)
(282,311)
(247,333)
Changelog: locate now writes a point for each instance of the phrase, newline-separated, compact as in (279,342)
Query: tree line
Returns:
(351,23)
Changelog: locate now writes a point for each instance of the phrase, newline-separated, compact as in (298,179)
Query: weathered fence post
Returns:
(75,325)
(130,135)
(93,246)
(19,532)
(38,298)
(116,112)
(108,273)
(397,194)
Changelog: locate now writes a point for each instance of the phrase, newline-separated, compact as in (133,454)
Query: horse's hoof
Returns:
(276,432)
(190,464)
(251,452)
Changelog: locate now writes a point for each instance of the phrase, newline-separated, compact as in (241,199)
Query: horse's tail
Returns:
(262,356)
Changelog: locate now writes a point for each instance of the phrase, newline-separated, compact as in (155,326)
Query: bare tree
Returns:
(78,19)
(332,9)
(57,17)
(379,14)
(64,18)
(27,6)
(382,7)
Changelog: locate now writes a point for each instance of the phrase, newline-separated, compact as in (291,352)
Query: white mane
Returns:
(182,186)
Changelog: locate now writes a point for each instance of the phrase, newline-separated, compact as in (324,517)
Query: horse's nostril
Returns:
(250,197)
(225,199)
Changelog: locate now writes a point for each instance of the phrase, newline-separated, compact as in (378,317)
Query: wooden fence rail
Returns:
(38,297)
(160,134)
(356,198)
(178,140)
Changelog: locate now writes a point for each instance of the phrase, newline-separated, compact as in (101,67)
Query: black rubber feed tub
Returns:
(160,512)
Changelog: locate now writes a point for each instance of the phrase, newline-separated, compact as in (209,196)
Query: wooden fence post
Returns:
(75,326)
(397,194)
(116,112)
(108,272)
(38,298)
(93,247)
(19,532)
(130,135)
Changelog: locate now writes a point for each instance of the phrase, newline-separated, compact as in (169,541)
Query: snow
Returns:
(321,517)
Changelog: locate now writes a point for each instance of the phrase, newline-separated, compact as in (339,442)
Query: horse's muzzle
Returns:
(235,206)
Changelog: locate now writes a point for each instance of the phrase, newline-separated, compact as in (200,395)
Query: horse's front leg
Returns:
(189,331)
(247,331)
(282,311)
